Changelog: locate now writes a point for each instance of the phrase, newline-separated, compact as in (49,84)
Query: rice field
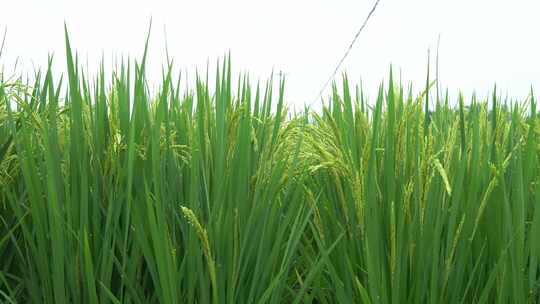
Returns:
(115,193)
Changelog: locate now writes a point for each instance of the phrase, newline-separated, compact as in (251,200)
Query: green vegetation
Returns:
(111,194)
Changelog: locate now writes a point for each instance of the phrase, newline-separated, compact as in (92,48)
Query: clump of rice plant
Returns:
(111,193)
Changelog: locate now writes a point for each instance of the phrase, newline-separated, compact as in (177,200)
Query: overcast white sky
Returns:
(482,42)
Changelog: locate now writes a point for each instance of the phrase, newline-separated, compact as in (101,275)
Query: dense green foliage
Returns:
(111,194)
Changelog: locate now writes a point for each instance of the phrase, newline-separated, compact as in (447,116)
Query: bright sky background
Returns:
(482,41)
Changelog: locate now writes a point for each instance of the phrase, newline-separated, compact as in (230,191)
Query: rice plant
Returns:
(113,193)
